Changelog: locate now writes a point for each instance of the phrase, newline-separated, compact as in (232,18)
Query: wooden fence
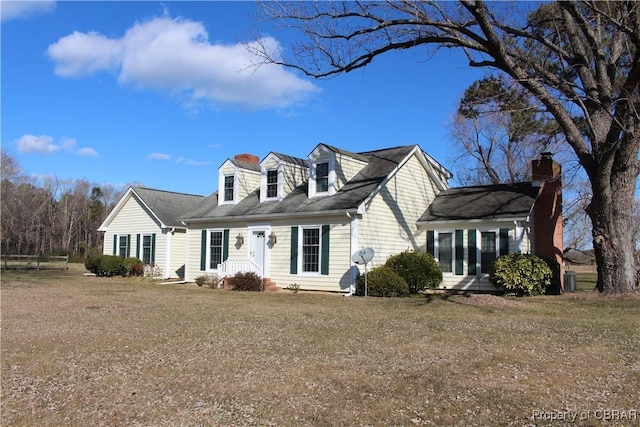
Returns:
(36,262)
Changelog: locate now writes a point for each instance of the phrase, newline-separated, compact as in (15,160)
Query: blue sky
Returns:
(158,93)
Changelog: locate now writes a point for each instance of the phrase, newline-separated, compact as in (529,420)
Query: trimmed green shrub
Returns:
(111,265)
(133,267)
(522,274)
(92,264)
(248,281)
(419,269)
(382,282)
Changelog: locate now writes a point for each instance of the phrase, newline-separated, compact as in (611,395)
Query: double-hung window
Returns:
(228,188)
(215,249)
(146,249)
(311,250)
(322,177)
(272,183)
(123,244)
(487,250)
(445,252)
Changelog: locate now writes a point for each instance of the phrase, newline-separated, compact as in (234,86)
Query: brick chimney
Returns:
(247,158)
(547,213)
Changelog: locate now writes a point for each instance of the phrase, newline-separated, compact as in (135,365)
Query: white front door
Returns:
(257,249)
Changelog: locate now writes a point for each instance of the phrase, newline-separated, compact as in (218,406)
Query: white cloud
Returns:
(175,55)
(87,151)
(192,162)
(42,144)
(67,143)
(19,9)
(158,156)
(82,54)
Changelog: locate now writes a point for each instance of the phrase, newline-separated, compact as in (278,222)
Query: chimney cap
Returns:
(546,155)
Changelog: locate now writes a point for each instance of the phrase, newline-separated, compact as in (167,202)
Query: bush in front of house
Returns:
(105,265)
(208,280)
(248,281)
(382,282)
(521,274)
(133,267)
(419,269)
(92,264)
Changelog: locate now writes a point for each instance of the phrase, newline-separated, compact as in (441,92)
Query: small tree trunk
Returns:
(611,213)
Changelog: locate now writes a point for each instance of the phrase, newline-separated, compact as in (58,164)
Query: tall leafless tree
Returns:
(580,60)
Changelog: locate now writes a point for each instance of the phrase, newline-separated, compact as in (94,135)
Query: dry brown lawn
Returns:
(86,351)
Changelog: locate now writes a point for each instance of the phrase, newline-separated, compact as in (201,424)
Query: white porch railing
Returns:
(231,267)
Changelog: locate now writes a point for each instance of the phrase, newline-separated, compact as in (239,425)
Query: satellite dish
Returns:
(363,256)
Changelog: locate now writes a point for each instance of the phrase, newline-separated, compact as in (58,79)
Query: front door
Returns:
(257,249)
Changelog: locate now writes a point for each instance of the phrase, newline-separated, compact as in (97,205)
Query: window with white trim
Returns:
(322,177)
(445,252)
(215,245)
(123,246)
(272,183)
(146,249)
(229,181)
(311,250)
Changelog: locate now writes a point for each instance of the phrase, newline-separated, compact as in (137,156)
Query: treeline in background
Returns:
(52,216)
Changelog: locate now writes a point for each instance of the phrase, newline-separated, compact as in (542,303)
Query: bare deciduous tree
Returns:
(579,60)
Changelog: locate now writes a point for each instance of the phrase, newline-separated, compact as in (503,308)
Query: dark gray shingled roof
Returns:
(166,205)
(482,202)
(380,164)
(246,165)
(291,159)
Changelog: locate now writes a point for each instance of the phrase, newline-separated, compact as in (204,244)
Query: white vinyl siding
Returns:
(389,224)
(346,168)
(480,281)
(245,181)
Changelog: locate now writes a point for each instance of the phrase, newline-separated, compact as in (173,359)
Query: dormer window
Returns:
(322,173)
(272,184)
(229,181)
(322,177)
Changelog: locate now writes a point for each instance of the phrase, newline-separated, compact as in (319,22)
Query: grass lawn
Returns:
(86,351)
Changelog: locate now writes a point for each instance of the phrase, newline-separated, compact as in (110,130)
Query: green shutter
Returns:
(504,241)
(472,251)
(431,247)
(293,266)
(459,252)
(153,248)
(128,245)
(203,251)
(225,245)
(137,246)
(324,257)
(115,243)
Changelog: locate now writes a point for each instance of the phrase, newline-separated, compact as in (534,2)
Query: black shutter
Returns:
(153,248)
(472,251)
(225,245)
(504,241)
(128,245)
(459,252)
(293,267)
(203,251)
(431,245)
(324,260)
(137,246)
(115,243)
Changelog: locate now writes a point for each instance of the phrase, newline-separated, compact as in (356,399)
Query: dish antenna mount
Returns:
(363,256)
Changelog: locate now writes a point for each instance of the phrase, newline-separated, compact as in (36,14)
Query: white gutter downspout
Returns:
(518,237)
(168,255)
(353,247)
